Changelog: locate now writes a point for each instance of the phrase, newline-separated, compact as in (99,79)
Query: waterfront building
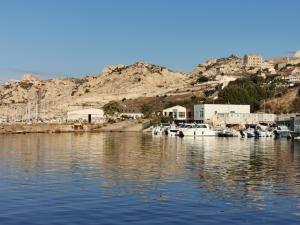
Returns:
(291,120)
(231,118)
(252,60)
(91,115)
(295,124)
(205,113)
(179,113)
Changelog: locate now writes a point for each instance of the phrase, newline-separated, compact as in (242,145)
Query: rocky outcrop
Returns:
(230,66)
(50,98)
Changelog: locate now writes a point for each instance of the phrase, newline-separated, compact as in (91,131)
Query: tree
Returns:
(146,109)
(112,108)
(295,107)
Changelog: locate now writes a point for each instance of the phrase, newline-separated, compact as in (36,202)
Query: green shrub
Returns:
(146,109)
(112,108)
(26,86)
(246,91)
(201,79)
(110,121)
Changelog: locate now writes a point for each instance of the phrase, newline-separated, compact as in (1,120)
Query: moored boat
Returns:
(197,130)
(282,132)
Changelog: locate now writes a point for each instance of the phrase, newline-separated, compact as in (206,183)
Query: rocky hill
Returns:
(51,98)
(56,96)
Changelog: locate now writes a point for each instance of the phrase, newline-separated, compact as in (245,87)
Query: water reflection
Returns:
(234,171)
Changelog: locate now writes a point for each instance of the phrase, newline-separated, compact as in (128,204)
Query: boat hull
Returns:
(198,132)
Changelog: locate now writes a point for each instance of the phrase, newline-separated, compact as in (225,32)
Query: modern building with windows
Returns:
(179,113)
(252,60)
(205,113)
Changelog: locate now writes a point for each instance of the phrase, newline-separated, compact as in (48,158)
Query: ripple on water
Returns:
(132,178)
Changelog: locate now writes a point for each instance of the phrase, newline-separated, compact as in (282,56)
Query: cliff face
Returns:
(57,96)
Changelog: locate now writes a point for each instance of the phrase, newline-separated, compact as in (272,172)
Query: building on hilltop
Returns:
(253,60)
(291,74)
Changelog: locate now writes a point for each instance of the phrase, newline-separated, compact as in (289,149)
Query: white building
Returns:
(295,76)
(132,115)
(89,115)
(177,112)
(223,119)
(3,119)
(204,113)
(253,60)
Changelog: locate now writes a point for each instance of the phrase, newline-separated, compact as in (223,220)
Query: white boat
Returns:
(249,133)
(160,130)
(165,129)
(173,130)
(263,131)
(282,132)
(196,130)
(228,133)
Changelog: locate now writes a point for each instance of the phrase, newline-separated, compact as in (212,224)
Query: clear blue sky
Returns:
(78,37)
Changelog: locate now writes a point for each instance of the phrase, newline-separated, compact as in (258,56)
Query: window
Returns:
(201,114)
(181,114)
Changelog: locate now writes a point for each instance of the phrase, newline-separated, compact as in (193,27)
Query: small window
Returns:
(181,114)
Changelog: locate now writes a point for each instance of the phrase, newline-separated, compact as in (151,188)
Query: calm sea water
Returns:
(131,178)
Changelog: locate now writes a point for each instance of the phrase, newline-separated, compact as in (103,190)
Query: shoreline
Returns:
(123,126)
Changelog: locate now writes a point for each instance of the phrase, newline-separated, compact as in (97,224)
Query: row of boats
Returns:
(195,129)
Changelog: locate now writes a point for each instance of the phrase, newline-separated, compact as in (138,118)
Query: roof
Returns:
(174,107)
(253,55)
(226,104)
(87,111)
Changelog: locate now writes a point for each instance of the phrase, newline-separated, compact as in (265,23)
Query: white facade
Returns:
(177,112)
(3,119)
(205,113)
(295,76)
(222,119)
(132,115)
(253,60)
(89,115)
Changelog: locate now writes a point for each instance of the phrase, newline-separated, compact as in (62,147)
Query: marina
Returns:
(203,130)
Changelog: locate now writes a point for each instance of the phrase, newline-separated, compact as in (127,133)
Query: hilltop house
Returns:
(292,74)
(252,60)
